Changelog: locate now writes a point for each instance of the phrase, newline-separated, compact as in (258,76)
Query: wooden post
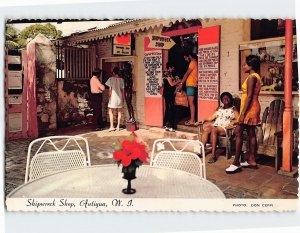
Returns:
(288,110)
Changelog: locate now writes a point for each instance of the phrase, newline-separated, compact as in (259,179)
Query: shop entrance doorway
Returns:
(127,66)
(204,45)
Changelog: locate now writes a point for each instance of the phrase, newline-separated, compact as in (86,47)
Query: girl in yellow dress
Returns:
(249,116)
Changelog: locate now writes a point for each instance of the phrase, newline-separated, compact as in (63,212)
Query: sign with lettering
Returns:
(160,42)
(122,50)
(122,45)
(153,72)
(208,72)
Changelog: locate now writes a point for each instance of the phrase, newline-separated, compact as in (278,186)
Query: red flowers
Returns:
(130,151)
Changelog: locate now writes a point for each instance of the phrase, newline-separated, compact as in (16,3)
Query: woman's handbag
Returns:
(181,99)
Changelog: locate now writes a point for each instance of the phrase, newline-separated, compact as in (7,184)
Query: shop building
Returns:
(232,37)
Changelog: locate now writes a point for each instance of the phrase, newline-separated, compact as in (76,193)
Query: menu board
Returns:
(153,72)
(208,72)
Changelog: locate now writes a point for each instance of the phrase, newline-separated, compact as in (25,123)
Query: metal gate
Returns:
(74,63)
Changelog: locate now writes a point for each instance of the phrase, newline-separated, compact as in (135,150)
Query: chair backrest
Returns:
(237,103)
(272,122)
(53,154)
(181,154)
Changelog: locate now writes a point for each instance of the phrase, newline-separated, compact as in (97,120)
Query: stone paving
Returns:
(250,183)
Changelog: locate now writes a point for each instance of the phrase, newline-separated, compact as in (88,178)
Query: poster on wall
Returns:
(153,72)
(272,55)
(208,72)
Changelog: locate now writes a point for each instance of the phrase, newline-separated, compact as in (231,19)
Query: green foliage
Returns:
(118,145)
(15,40)
(11,37)
(47,30)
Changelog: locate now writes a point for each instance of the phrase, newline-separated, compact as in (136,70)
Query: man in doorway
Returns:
(191,79)
(96,97)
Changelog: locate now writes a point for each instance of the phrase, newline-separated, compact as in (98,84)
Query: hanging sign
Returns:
(153,72)
(160,42)
(208,81)
(122,45)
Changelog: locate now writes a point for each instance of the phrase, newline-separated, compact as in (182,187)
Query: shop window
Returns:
(74,63)
(264,28)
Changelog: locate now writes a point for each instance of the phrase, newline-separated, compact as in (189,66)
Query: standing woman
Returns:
(190,78)
(169,84)
(249,116)
(116,96)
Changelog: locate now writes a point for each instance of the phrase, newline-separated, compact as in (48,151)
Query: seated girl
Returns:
(225,117)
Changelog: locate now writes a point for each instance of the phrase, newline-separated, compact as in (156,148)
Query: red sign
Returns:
(122,40)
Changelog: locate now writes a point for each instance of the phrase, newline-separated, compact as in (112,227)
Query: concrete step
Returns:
(178,134)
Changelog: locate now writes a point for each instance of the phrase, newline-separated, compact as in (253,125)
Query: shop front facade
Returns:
(224,40)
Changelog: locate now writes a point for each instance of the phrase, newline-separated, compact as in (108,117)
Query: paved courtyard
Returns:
(260,183)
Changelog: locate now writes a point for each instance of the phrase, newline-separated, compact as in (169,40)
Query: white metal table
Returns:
(106,182)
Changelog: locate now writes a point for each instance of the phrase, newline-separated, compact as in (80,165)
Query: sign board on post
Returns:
(160,42)
(208,71)
(122,45)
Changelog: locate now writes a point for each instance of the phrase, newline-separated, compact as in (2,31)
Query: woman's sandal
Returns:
(233,169)
(248,165)
(188,123)
(212,160)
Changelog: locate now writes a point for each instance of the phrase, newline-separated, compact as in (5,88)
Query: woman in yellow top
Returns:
(249,116)
(191,79)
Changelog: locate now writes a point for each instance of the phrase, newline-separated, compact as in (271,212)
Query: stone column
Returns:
(45,88)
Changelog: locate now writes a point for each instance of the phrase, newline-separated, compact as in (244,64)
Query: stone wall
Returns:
(46,85)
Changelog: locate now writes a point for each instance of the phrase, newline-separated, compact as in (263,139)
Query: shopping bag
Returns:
(181,99)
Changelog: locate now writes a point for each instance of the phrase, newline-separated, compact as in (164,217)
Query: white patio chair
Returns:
(54,154)
(181,154)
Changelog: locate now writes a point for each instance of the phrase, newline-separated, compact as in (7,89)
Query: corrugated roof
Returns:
(121,28)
